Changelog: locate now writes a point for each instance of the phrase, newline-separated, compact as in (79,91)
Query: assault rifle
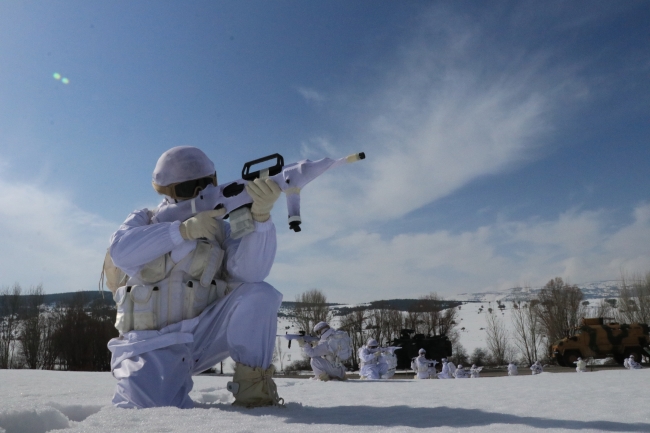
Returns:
(390,350)
(233,196)
(300,335)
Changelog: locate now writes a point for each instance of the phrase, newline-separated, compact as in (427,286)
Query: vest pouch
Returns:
(195,299)
(218,289)
(124,317)
(145,307)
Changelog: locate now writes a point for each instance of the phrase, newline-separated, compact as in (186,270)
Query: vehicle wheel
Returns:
(619,358)
(570,357)
(560,360)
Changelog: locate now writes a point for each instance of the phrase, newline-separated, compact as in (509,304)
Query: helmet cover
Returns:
(180,164)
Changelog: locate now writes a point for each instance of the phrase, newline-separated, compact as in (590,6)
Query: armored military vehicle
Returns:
(596,339)
(437,347)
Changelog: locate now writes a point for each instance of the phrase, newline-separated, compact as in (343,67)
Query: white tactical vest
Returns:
(163,293)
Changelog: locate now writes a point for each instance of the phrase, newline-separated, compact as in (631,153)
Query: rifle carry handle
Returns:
(273,170)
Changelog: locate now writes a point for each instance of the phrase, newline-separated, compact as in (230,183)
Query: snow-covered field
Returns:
(606,401)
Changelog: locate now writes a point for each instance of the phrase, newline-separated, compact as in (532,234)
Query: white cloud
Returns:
(364,266)
(48,239)
(446,114)
(311,95)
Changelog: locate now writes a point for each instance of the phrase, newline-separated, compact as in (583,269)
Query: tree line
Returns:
(66,336)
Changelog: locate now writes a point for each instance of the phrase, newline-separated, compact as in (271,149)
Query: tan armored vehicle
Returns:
(598,340)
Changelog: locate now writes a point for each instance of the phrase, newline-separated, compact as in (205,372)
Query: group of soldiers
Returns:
(328,354)
(333,348)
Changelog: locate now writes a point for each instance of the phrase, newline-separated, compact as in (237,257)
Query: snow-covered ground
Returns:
(603,401)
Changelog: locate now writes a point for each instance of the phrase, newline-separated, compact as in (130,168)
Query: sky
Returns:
(507,142)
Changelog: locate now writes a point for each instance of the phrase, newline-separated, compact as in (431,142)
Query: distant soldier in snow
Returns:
(475,371)
(445,373)
(537,368)
(424,368)
(512,369)
(327,356)
(460,373)
(372,366)
(581,365)
(452,368)
(632,364)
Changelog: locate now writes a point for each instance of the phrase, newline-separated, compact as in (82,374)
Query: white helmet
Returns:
(182,172)
(421,352)
(321,327)
(632,356)
(372,343)
(444,360)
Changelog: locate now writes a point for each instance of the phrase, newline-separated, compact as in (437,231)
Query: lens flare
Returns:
(57,76)
(65,80)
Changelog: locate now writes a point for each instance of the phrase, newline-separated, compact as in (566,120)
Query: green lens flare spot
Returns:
(57,76)
(65,80)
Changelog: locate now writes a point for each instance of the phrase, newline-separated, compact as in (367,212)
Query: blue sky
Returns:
(507,142)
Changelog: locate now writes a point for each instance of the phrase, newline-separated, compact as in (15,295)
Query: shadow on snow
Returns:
(407,416)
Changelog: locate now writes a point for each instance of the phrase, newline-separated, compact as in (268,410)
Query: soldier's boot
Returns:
(324,377)
(254,387)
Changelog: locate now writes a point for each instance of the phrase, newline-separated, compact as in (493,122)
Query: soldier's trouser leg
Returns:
(154,368)
(321,365)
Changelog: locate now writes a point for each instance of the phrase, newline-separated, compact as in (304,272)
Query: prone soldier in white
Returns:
(329,353)
(537,368)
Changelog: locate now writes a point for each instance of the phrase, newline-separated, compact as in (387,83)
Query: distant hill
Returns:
(595,290)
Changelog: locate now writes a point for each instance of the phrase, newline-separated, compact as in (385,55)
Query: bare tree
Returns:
(559,309)
(354,324)
(634,299)
(497,338)
(434,319)
(10,303)
(413,320)
(447,321)
(526,331)
(377,325)
(32,330)
(310,308)
(430,313)
(394,324)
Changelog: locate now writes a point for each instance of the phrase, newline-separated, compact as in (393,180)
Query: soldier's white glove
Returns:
(202,225)
(301,342)
(264,194)
(377,354)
